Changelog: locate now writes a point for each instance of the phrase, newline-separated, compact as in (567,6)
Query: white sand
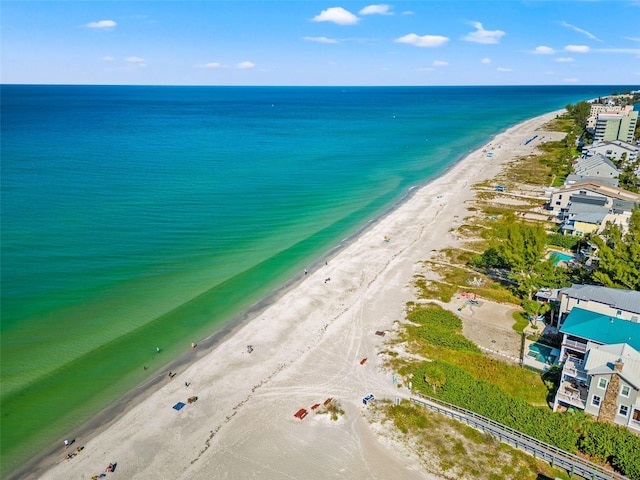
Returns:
(307,347)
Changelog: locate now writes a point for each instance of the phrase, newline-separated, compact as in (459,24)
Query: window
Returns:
(602,383)
(625,390)
(595,401)
(623,411)
(618,313)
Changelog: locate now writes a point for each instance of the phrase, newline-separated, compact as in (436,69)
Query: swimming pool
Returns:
(560,257)
(542,353)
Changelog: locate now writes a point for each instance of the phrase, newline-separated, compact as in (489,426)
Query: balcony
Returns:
(574,367)
(575,345)
(572,393)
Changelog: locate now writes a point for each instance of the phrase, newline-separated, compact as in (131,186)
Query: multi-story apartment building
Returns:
(616,126)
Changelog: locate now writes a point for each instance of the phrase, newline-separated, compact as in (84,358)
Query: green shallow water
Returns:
(136,217)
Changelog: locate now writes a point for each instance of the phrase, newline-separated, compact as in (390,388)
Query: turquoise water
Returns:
(561,257)
(542,353)
(138,217)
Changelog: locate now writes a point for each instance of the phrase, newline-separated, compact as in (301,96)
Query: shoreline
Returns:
(305,314)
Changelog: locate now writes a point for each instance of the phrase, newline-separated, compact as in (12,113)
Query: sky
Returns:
(332,42)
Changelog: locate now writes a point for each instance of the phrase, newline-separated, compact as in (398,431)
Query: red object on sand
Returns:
(313,407)
(363,361)
(301,413)
(328,401)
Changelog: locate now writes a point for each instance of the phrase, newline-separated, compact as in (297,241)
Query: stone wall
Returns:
(609,406)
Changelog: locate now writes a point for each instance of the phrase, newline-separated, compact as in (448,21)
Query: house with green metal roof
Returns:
(599,354)
(606,386)
(586,326)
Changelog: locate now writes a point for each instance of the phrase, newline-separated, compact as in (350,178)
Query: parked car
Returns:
(368,398)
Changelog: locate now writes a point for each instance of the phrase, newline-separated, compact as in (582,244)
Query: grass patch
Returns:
(439,327)
(436,333)
(459,450)
(434,290)
(521,321)
(333,409)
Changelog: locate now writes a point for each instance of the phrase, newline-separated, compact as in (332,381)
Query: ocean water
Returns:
(144,217)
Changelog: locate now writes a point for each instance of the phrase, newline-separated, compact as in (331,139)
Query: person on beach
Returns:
(66,443)
(157,349)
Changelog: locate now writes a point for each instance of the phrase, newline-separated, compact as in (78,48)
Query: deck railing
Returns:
(574,368)
(556,457)
(572,399)
(575,345)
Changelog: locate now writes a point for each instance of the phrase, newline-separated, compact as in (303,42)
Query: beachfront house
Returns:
(603,382)
(612,302)
(600,330)
(584,218)
(590,191)
(614,150)
(596,167)
(584,214)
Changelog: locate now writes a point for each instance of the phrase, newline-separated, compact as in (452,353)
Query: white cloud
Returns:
(321,40)
(579,30)
(564,60)
(134,60)
(633,39)
(209,65)
(102,24)
(483,36)
(570,80)
(544,50)
(486,60)
(408,12)
(577,48)
(423,41)
(336,15)
(376,10)
(108,58)
(426,69)
(245,65)
(503,69)
(440,63)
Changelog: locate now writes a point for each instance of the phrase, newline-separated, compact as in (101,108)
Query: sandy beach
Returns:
(307,346)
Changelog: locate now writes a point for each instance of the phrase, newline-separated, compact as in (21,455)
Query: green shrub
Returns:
(463,389)
(440,327)
(612,444)
(602,442)
(564,241)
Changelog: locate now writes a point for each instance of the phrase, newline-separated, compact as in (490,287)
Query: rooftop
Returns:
(602,358)
(602,189)
(599,328)
(627,300)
